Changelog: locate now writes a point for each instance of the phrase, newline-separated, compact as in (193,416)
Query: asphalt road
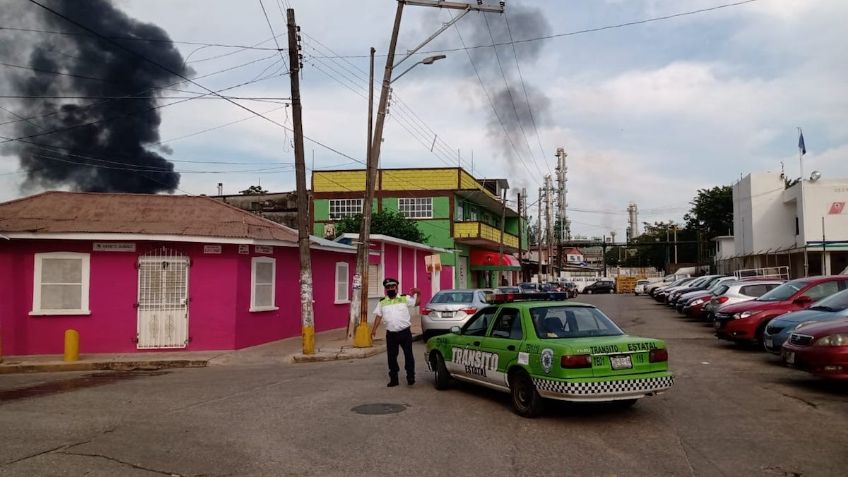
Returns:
(732,412)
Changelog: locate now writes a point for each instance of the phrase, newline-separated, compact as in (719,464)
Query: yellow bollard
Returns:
(72,342)
(362,336)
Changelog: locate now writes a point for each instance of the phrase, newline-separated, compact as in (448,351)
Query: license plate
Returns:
(621,362)
(447,314)
(716,324)
(768,342)
(789,357)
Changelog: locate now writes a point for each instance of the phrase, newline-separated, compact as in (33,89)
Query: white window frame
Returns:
(416,207)
(342,276)
(253,263)
(344,208)
(85,278)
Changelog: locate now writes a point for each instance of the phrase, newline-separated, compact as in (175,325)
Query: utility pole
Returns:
(561,190)
(539,235)
(550,222)
(675,244)
(306,312)
(359,301)
(376,139)
(503,226)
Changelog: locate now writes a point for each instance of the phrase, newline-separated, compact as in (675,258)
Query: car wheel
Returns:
(526,401)
(441,375)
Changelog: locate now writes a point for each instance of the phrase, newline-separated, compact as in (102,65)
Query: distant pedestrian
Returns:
(393,309)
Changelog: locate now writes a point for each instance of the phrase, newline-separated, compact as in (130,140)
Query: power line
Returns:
(152,88)
(152,40)
(579,32)
(491,103)
(273,33)
(526,97)
(511,98)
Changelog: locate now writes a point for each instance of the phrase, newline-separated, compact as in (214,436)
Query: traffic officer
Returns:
(393,310)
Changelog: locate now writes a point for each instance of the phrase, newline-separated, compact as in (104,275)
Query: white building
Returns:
(803,227)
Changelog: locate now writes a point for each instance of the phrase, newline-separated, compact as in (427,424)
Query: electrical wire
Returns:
(273,33)
(512,99)
(491,103)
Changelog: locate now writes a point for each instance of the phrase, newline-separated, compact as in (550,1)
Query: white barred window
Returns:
(416,208)
(344,207)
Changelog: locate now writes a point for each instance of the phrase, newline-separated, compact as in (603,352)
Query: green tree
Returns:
(386,222)
(711,212)
(253,190)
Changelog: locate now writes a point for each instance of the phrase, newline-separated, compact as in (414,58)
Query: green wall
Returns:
(322,209)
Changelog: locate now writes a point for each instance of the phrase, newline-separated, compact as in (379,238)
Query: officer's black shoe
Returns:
(410,381)
(392,383)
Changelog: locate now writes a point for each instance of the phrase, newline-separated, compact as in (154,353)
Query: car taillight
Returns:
(470,311)
(658,355)
(425,311)
(576,361)
(722,299)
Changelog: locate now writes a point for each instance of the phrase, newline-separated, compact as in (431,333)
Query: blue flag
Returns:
(801,146)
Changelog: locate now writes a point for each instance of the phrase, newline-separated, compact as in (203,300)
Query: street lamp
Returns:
(426,61)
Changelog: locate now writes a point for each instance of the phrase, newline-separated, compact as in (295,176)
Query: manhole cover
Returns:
(379,408)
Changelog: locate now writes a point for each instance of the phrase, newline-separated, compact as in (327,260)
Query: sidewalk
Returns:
(329,346)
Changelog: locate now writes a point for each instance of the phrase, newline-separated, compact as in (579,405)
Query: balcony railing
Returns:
(479,230)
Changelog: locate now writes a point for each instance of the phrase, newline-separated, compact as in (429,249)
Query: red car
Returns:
(744,322)
(820,348)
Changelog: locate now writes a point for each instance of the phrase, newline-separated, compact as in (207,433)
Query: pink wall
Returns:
(219,294)
(253,328)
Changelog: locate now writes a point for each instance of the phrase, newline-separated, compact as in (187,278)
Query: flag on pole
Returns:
(801,146)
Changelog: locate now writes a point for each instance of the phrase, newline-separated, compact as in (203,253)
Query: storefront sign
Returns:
(212,249)
(114,247)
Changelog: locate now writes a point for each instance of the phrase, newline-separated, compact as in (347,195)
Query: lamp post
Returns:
(362,336)
(426,61)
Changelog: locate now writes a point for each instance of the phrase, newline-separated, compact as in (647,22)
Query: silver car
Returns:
(450,308)
(737,291)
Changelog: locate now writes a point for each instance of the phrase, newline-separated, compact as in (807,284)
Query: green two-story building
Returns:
(453,209)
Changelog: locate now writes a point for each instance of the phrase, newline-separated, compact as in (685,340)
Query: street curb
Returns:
(337,355)
(11,368)
(342,353)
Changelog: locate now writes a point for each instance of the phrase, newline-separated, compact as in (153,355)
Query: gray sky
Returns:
(648,113)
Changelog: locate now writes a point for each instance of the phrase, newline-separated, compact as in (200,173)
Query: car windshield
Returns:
(642,282)
(508,290)
(835,302)
(552,322)
(783,292)
(528,286)
(453,297)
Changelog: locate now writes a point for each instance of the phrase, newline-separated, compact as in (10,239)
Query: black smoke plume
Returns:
(514,111)
(84,140)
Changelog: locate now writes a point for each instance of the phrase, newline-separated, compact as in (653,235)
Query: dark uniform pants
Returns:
(402,338)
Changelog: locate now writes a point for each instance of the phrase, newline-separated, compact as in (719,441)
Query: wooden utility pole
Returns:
(539,236)
(306,312)
(503,226)
(359,304)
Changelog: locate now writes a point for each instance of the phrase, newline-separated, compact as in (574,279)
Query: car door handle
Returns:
(510,348)
(476,343)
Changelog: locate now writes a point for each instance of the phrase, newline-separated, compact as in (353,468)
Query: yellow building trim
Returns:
(468,182)
(338,181)
(483,231)
(419,179)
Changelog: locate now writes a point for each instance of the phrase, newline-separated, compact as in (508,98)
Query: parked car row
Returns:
(804,321)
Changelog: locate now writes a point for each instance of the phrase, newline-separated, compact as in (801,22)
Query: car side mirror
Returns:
(455,330)
(803,300)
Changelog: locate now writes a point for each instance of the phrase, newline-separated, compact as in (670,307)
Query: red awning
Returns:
(490,260)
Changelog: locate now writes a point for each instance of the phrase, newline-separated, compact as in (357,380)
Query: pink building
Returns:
(134,272)
(392,257)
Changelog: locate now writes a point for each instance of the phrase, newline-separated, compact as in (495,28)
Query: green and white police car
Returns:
(549,349)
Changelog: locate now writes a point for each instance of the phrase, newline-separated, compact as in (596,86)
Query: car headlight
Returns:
(833,340)
(745,314)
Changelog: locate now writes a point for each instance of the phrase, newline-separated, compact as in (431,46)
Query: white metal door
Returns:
(162,300)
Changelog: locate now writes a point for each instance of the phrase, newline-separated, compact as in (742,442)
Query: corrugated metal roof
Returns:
(84,212)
